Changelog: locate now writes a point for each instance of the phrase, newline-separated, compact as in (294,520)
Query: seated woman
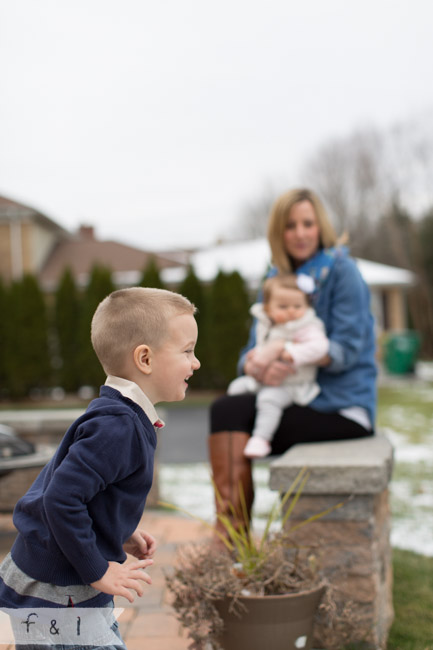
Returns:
(302,240)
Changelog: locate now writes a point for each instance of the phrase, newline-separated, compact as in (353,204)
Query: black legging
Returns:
(298,424)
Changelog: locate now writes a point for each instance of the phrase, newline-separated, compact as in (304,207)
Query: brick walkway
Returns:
(149,622)
(150,618)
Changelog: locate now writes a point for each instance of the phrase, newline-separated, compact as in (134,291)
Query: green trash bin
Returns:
(401,352)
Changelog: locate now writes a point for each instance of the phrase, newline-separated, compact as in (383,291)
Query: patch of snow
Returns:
(415,535)
(424,370)
(189,487)
(407,452)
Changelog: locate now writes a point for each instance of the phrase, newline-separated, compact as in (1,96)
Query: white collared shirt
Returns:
(132,391)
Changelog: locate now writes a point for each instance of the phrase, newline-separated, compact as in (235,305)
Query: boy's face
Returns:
(174,362)
(286,305)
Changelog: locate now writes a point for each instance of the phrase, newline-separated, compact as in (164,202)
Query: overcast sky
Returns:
(157,121)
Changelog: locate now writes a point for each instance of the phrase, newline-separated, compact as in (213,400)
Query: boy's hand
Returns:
(141,545)
(120,578)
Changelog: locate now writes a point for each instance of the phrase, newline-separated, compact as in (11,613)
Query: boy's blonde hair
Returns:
(286,281)
(131,317)
(278,220)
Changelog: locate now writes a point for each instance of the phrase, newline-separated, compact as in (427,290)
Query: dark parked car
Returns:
(12,445)
(16,453)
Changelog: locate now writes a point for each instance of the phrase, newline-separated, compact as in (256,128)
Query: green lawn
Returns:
(405,413)
(408,408)
(413,602)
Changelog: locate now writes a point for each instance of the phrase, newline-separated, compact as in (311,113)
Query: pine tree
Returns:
(421,296)
(426,242)
(27,353)
(192,289)
(4,310)
(67,323)
(100,285)
(151,276)
(228,325)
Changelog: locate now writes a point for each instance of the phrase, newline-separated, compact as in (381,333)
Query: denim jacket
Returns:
(343,303)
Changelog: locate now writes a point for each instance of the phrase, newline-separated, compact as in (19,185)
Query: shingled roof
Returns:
(81,252)
(14,210)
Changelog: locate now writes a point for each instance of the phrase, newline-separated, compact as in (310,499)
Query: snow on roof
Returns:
(252,258)
(382,275)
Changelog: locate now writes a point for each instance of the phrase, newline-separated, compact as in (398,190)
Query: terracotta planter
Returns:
(271,622)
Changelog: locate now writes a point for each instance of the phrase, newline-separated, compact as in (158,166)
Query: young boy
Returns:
(80,515)
(286,319)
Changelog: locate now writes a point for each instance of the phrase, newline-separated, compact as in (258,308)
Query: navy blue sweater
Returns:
(90,497)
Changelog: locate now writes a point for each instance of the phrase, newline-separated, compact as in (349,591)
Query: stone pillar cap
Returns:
(361,466)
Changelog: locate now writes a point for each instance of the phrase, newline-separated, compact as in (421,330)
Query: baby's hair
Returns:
(131,317)
(284,280)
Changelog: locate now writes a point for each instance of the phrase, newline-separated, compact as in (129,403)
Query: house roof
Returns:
(252,258)
(80,253)
(382,275)
(11,210)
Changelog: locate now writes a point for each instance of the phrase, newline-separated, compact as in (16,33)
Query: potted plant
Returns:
(249,592)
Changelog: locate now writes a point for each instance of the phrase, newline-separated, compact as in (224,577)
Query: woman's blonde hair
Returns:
(131,317)
(278,220)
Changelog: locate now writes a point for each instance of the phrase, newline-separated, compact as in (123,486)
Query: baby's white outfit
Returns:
(307,343)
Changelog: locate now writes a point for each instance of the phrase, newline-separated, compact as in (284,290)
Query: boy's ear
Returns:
(143,359)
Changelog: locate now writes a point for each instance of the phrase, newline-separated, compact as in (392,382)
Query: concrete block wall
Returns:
(352,543)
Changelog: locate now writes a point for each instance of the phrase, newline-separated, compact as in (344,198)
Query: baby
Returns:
(287,317)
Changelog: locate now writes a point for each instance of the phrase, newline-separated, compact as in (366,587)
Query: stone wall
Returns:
(352,543)
(14,484)
(46,427)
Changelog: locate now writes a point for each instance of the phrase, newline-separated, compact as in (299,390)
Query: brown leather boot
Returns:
(231,469)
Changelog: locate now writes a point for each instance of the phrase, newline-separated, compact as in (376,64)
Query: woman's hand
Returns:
(277,372)
(324,361)
(259,358)
(265,364)
(141,545)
